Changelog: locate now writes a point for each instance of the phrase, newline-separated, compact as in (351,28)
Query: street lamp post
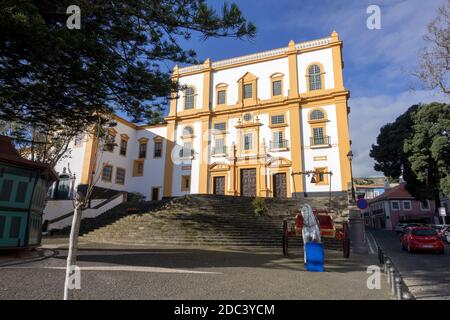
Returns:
(350,158)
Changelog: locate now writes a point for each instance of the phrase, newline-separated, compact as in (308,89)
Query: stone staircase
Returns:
(204,220)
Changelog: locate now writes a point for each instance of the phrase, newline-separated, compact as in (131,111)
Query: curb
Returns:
(41,254)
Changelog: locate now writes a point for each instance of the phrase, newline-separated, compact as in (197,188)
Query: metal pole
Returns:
(391,273)
(398,287)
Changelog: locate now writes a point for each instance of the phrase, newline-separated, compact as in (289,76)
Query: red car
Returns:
(422,238)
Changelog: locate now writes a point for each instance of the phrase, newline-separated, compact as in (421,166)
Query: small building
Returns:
(397,205)
(23,192)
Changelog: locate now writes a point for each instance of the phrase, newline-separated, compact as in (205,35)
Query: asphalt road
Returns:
(191,274)
(426,274)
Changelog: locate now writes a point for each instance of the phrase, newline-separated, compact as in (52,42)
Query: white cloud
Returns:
(367,116)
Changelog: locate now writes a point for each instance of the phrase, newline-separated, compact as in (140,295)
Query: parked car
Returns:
(399,228)
(407,225)
(423,239)
(442,230)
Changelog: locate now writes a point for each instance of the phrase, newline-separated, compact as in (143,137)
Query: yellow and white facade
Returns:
(239,126)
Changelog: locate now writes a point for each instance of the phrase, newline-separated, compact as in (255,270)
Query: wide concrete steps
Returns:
(204,220)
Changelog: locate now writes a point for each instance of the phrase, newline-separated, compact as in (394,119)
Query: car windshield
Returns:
(424,232)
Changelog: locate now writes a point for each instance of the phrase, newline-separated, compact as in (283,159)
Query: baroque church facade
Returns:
(240,126)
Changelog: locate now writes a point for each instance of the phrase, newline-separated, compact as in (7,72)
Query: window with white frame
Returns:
(276,88)
(248,91)
(407,205)
(189,95)
(277,119)
(315,81)
(395,205)
(248,141)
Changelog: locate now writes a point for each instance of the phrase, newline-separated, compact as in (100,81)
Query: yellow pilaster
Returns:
(293,72)
(204,155)
(343,140)
(296,145)
(173,95)
(337,61)
(168,169)
(89,160)
(207,86)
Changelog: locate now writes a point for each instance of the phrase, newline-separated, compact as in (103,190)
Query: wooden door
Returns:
(155,194)
(248,182)
(279,185)
(219,185)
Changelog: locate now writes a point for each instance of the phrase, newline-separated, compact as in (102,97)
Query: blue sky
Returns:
(378,63)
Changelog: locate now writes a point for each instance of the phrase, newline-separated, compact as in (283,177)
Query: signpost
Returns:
(442,213)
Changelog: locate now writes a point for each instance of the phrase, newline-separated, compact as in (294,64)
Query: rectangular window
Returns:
(158,149)
(187,150)
(278,119)
(21,191)
(407,205)
(248,91)
(318,138)
(5,194)
(138,168)
(120,176)
(185,183)
(321,176)
(278,137)
(276,88)
(142,150)
(189,95)
(109,143)
(221,94)
(107,173)
(123,147)
(395,205)
(219,147)
(14,229)
(248,141)
(220,126)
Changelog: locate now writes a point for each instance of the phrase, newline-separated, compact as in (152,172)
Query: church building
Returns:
(240,126)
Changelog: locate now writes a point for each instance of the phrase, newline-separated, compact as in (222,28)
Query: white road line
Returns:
(372,243)
(124,268)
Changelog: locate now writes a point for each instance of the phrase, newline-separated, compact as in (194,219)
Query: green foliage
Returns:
(419,142)
(55,78)
(259,205)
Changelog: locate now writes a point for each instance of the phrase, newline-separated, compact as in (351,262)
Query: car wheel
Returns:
(409,249)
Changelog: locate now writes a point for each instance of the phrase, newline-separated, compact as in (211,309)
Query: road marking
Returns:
(371,241)
(124,268)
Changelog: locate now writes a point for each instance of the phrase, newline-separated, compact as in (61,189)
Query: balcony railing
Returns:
(283,144)
(186,153)
(320,141)
(219,150)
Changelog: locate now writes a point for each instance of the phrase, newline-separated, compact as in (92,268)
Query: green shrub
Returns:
(259,204)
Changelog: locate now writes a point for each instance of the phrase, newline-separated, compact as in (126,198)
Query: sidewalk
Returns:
(22,256)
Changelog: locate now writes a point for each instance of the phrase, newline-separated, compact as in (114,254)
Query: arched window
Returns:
(316,115)
(189,95)
(188,131)
(315,81)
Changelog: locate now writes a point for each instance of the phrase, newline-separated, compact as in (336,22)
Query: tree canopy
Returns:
(417,144)
(56,79)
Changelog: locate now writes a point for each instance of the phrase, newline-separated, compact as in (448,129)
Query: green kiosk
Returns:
(23,193)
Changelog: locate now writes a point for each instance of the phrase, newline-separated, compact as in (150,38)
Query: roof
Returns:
(369,186)
(397,192)
(10,155)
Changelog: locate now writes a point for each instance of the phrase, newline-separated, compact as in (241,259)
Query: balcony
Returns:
(219,151)
(320,142)
(187,153)
(282,145)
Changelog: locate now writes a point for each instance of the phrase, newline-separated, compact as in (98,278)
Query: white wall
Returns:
(323,56)
(262,70)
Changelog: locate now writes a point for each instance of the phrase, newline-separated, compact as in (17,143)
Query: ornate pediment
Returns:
(219,166)
(279,162)
(248,77)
